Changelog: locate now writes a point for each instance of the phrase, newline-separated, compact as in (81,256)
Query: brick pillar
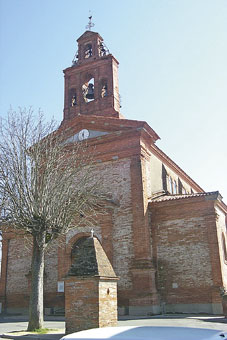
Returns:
(90,302)
(90,289)
(146,299)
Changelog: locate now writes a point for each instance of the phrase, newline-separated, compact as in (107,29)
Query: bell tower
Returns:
(91,83)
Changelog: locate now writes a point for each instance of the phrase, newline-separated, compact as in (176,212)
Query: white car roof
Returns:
(148,333)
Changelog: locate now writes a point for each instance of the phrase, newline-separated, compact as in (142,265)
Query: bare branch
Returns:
(46,184)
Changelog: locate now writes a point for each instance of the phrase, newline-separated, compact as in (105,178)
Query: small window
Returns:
(88,51)
(224,247)
(72,98)
(104,91)
(164,178)
(174,187)
(184,192)
(102,49)
(170,184)
(103,88)
(180,186)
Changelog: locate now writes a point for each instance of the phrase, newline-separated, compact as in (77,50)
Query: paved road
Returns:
(9,324)
(179,320)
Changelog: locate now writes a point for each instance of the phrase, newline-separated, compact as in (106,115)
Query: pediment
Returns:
(98,126)
(87,35)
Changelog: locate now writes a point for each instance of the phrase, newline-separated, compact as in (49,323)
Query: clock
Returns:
(83,134)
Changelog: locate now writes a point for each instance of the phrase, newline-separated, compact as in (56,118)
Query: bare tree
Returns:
(46,185)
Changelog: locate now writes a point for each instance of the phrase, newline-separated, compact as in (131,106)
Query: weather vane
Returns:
(90,23)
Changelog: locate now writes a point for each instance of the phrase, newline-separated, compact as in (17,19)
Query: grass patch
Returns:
(43,330)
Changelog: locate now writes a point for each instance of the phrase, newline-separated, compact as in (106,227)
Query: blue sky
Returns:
(172,71)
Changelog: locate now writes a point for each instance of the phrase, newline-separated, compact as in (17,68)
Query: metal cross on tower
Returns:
(90,23)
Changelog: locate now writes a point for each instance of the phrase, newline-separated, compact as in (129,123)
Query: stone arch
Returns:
(69,245)
(74,240)
(88,87)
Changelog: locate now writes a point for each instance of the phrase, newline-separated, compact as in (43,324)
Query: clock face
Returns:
(83,134)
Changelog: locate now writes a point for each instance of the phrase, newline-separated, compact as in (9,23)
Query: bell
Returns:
(90,91)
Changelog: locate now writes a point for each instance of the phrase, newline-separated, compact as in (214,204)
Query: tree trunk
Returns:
(36,297)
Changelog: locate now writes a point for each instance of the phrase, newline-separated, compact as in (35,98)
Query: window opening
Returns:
(170,185)
(104,88)
(88,90)
(103,50)
(75,59)
(224,247)
(72,98)
(174,187)
(88,51)
(104,91)
(180,186)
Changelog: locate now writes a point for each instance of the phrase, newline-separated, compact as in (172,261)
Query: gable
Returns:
(98,126)
(87,35)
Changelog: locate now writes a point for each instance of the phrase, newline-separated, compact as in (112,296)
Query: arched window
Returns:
(224,247)
(102,49)
(103,88)
(72,97)
(174,187)
(88,90)
(170,184)
(88,51)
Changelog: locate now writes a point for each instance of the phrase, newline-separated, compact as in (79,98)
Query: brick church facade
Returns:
(164,236)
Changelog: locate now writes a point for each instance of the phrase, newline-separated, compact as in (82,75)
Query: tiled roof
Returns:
(164,197)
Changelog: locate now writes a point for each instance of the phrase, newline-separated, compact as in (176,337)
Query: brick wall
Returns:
(18,270)
(80,297)
(187,270)
(15,280)
(222,238)
(114,230)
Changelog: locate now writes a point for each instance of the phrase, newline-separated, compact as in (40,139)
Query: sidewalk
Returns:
(56,335)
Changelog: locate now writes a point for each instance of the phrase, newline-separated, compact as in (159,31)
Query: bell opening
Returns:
(88,90)
(88,51)
(72,97)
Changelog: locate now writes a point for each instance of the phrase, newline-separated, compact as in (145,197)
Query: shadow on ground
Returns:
(216,320)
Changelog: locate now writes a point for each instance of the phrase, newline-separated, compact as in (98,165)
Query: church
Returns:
(163,234)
